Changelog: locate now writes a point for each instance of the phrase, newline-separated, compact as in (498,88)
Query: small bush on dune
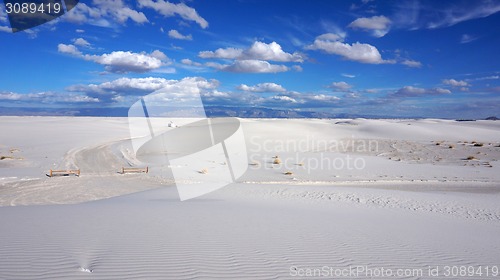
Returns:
(203,171)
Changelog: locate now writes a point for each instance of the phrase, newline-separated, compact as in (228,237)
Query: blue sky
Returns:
(365,57)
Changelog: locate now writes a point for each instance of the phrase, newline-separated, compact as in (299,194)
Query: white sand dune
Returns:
(415,205)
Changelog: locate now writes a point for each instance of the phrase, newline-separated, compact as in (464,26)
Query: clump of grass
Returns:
(288,173)
(5,157)
(471,158)
(487,164)
(203,171)
(478,144)
(277,160)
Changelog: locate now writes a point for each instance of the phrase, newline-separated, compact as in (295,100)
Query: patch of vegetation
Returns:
(277,160)
(203,171)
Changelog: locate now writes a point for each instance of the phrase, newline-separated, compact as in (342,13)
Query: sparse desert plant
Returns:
(438,143)
(277,160)
(471,158)
(288,173)
(478,144)
(5,157)
(203,171)
(451,146)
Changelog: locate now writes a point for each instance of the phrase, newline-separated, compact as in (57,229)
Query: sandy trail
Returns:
(100,179)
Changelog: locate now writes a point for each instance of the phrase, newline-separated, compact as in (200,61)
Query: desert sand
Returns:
(349,199)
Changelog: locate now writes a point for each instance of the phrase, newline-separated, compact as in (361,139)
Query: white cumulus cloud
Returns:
(121,61)
(455,83)
(69,49)
(410,91)
(81,43)
(333,44)
(262,87)
(251,66)
(272,51)
(284,98)
(126,61)
(187,61)
(340,86)
(177,35)
(104,13)
(227,53)
(377,25)
(258,51)
(124,89)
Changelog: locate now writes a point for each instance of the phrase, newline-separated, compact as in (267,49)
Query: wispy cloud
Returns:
(348,75)
(466,38)
(47,97)
(168,9)
(414,14)
(411,63)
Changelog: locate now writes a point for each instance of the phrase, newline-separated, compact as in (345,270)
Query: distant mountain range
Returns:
(211,111)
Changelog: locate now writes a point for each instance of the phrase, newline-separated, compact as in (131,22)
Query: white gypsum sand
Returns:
(375,196)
